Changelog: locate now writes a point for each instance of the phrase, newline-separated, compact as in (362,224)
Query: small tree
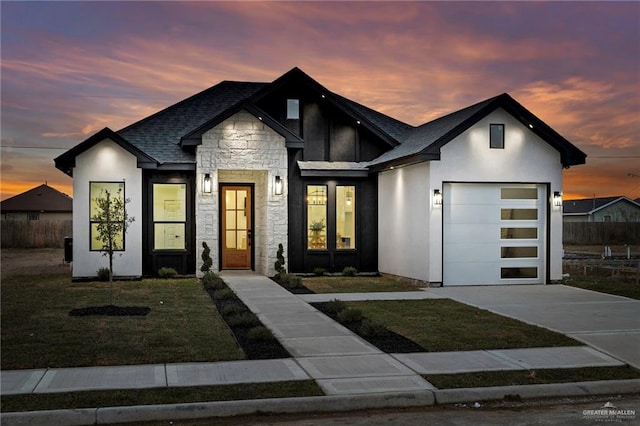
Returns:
(112,224)
(279,264)
(206,258)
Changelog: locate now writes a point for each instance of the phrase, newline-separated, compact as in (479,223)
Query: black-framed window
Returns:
(33,215)
(345,217)
(293,109)
(317,217)
(98,190)
(496,136)
(169,216)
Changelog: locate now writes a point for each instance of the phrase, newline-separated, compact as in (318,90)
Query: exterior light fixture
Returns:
(437,197)
(277,187)
(206,183)
(557,198)
(530,126)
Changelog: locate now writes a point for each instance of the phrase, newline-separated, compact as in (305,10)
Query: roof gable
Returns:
(42,198)
(588,206)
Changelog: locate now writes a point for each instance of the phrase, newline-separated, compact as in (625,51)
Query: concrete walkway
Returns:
(344,364)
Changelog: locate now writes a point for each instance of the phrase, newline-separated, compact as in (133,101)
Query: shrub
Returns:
(103,274)
(244,319)
(259,333)
(349,271)
(167,272)
(291,281)
(349,315)
(319,271)
(335,306)
(369,328)
(279,264)
(223,294)
(212,281)
(206,258)
(231,309)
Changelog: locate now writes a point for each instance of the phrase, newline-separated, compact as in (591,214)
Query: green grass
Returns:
(444,325)
(512,378)
(38,333)
(94,399)
(355,284)
(604,284)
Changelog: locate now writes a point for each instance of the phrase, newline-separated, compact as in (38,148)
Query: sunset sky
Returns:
(71,68)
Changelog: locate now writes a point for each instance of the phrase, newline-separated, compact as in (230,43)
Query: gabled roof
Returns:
(42,198)
(589,206)
(424,142)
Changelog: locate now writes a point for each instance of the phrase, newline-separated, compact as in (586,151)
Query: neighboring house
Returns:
(465,199)
(40,203)
(604,209)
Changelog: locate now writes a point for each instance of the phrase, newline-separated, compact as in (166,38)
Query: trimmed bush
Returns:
(223,294)
(335,306)
(279,264)
(231,309)
(349,315)
(206,258)
(319,271)
(167,272)
(369,328)
(349,271)
(212,281)
(291,281)
(103,274)
(259,333)
(244,319)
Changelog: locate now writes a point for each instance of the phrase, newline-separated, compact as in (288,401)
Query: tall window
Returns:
(496,136)
(99,190)
(169,216)
(317,217)
(345,217)
(293,109)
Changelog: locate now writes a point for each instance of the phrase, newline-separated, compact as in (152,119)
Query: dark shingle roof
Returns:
(589,205)
(159,134)
(42,198)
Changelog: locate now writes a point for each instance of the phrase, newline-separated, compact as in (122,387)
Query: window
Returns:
(293,109)
(518,273)
(345,217)
(518,193)
(519,214)
(169,216)
(496,136)
(607,218)
(518,233)
(518,252)
(98,190)
(33,216)
(317,217)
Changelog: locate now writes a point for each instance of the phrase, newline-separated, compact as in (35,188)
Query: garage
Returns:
(494,233)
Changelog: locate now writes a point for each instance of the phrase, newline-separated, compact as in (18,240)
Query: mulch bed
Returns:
(389,342)
(253,348)
(111,311)
(295,290)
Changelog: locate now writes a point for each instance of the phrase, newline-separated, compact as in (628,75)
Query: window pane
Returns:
(230,220)
(345,217)
(518,272)
(169,202)
(293,109)
(241,200)
(230,199)
(519,214)
(496,135)
(519,193)
(242,240)
(317,216)
(518,233)
(98,190)
(169,236)
(516,252)
(230,240)
(96,243)
(242,220)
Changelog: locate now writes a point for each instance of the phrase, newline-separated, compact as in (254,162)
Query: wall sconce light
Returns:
(277,187)
(206,183)
(557,198)
(437,197)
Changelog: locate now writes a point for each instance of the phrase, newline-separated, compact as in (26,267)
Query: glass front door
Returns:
(236,227)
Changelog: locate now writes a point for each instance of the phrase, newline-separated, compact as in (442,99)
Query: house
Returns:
(40,203)
(470,198)
(603,209)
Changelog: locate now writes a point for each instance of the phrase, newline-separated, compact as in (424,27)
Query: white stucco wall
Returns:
(106,162)
(242,149)
(467,158)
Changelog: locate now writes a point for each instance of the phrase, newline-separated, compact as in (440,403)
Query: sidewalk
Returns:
(345,366)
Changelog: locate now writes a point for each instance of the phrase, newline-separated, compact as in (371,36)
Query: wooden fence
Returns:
(601,233)
(35,233)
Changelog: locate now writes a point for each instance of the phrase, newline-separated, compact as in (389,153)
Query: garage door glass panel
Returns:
(518,273)
(518,233)
(519,193)
(518,252)
(519,214)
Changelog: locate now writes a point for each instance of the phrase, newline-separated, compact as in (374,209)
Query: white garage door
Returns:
(494,233)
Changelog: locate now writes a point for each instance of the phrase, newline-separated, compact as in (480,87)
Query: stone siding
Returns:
(242,149)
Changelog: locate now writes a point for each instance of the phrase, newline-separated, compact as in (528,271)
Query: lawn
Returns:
(182,326)
(355,285)
(445,325)
(603,282)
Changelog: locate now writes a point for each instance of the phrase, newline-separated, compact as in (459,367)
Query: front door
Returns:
(236,226)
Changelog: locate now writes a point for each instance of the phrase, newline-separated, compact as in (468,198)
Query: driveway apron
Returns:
(341,362)
(606,322)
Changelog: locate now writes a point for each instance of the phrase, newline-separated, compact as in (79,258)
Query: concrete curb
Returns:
(198,410)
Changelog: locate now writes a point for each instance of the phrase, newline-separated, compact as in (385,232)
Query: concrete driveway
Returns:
(606,322)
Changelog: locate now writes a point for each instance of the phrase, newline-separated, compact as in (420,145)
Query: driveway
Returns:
(606,322)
